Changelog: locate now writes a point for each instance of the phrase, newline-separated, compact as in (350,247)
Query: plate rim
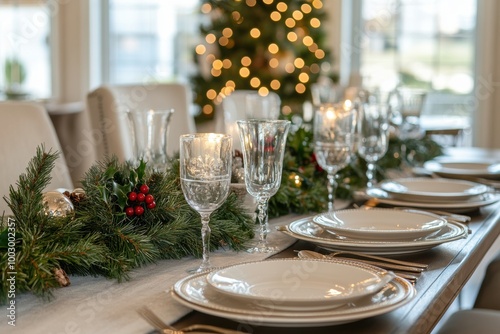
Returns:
(436,166)
(450,196)
(385,235)
(374,272)
(305,318)
(377,247)
(456,207)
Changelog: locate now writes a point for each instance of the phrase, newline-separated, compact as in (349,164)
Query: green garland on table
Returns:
(169,231)
(35,247)
(303,184)
(100,238)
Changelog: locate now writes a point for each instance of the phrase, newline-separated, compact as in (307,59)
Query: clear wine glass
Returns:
(205,172)
(334,138)
(263,143)
(374,135)
(149,132)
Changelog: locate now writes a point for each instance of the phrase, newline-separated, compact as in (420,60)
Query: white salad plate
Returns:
(306,229)
(432,190)
(380,224)
(452,167)
(476,202)
(195,292)
(298,285)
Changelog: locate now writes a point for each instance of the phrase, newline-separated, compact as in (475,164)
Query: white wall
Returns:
(486,119)
(72,84)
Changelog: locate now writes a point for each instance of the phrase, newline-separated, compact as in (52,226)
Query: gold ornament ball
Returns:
(56,204)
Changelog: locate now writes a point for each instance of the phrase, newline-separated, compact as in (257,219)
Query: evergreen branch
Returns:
(43,244)
(25,201)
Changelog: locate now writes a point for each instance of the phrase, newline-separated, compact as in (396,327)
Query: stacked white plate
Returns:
(294,292)
(464,168)
(381,224)
(376,231)
(433,193)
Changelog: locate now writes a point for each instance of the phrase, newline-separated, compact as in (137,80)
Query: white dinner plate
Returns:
(432,190)
(298,285)
(380,224)
(474,203)
(194,292)
(453,167)
(306,229)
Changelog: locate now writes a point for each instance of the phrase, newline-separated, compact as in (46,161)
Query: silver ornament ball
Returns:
(55,204)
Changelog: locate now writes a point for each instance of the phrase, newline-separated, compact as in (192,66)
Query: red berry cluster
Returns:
(139,200)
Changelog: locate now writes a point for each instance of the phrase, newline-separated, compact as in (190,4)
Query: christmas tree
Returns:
(264,45)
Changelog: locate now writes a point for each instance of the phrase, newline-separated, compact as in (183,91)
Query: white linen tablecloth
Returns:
(100,305)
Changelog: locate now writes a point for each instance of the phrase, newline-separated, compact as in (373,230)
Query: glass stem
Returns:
(331,186)
(404,160)
(263,221)
(370,174)
(205,237)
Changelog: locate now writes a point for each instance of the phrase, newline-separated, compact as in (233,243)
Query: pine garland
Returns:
(100,239)
(169,231)
(43,245)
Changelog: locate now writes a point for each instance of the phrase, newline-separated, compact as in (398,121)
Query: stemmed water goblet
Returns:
(205,174)
(373,135)
(263,143)
(334,138)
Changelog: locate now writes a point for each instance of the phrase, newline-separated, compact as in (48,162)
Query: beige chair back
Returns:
(107,105)
(235,107)
(25,127)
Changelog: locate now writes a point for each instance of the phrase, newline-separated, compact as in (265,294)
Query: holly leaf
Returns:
(109,173)
(104,193)
(121,193)
(134,178)
(141,171)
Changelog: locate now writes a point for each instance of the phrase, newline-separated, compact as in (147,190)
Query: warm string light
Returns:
(276,59)
(295,179)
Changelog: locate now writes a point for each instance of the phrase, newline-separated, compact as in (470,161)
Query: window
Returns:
(25,35)
(420,43)
(149,40)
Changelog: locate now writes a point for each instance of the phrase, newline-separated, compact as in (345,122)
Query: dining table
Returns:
(100,305)
(450,267)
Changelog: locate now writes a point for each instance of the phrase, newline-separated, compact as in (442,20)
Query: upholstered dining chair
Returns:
(236,107)
(484,317)
(107,105)
(25,127)
(443,117)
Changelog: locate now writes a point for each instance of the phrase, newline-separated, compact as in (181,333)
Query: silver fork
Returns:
(164,328)
(380,258)
(382,264)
